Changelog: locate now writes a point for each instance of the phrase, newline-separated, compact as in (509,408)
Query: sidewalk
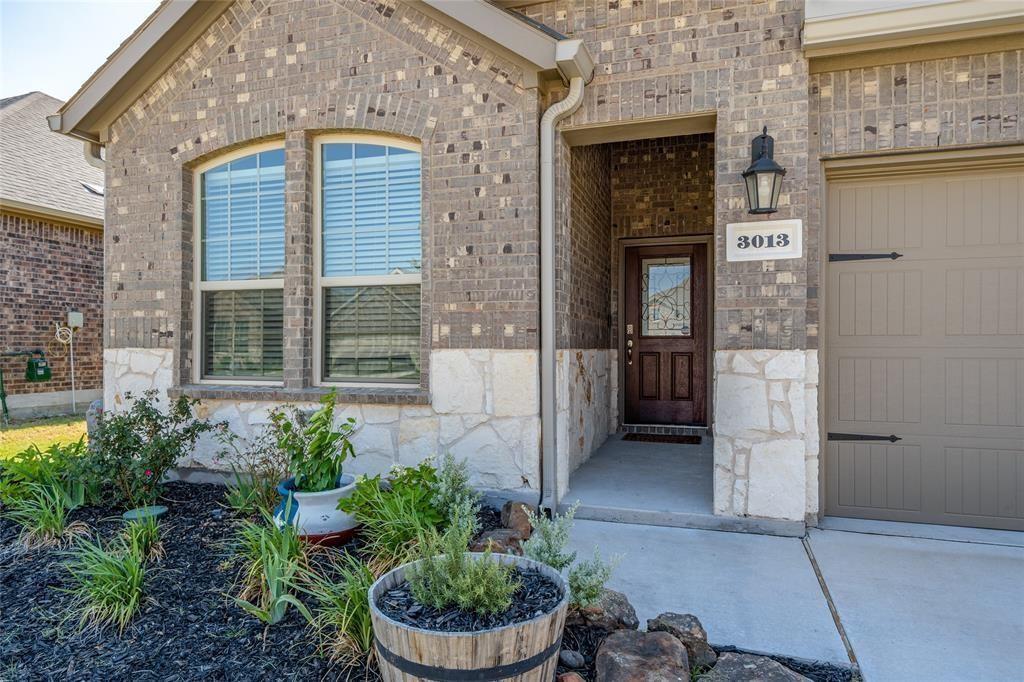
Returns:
(912,609)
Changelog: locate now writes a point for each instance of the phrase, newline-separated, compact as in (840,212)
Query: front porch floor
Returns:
(660,484)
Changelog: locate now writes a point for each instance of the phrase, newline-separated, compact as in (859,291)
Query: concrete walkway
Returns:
(912,609)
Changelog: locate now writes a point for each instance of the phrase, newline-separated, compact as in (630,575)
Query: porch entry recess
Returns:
(665,335)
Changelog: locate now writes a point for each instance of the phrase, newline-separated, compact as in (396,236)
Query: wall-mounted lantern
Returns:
(764,176)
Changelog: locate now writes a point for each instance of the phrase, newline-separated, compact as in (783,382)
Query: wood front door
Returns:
(666,335)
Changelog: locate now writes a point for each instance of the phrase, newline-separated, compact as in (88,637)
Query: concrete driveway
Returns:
(912,609)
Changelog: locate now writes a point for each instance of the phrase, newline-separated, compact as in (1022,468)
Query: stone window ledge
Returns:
(403,395)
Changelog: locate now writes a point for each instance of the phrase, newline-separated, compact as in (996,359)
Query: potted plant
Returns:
(457,615)
(316,451)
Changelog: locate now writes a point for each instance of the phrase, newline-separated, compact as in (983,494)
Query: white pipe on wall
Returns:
(548,390)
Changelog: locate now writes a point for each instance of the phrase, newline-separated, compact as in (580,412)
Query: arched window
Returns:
(369,259)
(240,266)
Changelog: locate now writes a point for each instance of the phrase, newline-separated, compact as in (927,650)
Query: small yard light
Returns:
(764,177)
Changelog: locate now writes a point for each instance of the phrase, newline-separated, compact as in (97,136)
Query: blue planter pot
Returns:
(316,515)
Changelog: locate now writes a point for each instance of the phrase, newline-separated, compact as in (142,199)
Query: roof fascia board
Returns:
(500,27)
(854,32)
(47,213)
(134,67)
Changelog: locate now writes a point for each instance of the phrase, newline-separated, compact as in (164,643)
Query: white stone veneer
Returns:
(766,434)
(586,406)
(485,408)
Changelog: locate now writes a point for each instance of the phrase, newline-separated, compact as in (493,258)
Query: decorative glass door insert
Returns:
(665,297)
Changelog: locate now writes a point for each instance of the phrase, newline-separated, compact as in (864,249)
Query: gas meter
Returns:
(37,370)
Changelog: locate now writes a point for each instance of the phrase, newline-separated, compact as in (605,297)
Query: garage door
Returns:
(925,354)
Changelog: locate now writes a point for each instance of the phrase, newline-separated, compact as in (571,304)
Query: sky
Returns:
(54,47)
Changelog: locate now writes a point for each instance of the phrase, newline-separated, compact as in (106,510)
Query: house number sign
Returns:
(764,240)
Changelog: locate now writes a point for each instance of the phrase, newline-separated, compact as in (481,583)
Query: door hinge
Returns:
(836,257)
(863,436)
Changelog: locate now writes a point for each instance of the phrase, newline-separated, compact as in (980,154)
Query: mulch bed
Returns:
(536,595)
(189,630)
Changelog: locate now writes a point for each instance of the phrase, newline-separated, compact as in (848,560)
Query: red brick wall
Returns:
(47,269)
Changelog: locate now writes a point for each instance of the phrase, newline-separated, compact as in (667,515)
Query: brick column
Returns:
(298,260)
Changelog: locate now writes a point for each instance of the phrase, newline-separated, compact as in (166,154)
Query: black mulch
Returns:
(536,595)
(188,630)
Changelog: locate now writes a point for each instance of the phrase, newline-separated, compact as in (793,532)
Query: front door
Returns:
(666,335)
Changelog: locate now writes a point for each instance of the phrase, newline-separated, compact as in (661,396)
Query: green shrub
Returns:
(107,583)
(394,514)
(549,538)
(447,575)
(41,509)
(133,450)
(314,448)
(270,558)
(453,496)
(142,537)
(341,620)
(587,579)
(55,467)
(257,467)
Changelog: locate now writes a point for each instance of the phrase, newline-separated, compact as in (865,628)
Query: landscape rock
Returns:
(631,656)
(732,667)
(687,629)
(612,611)
(516,516)
(499,541)
(571,659)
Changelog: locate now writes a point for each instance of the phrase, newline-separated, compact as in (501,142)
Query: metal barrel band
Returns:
(498,672)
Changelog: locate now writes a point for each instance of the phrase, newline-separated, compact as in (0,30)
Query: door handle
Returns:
(629,351)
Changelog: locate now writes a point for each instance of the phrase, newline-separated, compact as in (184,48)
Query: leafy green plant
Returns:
(315,449)
(394,514)
(55,467)
(270,558)
(257,467)
(132,451)
(549,538)
(142,537)
(453,495)
(107,583)
(447,575)
(41,509)
(341,622)
(587,579)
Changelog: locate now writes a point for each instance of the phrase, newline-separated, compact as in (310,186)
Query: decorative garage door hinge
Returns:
(862,436)
(835,257)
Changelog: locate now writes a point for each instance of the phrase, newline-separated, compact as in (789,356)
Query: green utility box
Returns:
(37,370)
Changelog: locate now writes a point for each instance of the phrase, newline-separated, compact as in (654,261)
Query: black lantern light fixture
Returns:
(764,177)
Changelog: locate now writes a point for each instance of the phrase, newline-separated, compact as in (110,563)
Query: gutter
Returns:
(576,66)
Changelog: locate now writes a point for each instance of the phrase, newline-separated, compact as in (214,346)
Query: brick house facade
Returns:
(51,259)
(652,157)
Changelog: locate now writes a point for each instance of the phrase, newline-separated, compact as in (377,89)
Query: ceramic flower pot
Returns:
(316,515)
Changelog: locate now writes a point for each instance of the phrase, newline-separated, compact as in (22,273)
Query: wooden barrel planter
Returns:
(523,652)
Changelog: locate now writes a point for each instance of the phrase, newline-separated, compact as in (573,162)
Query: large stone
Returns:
(499,541)
(749,668)
(492,463)
(631,656)
(515,383)
(777,480)
(612,611)
(516,516)
(787,364)
(741,405)
(456,383)
(687,629)
(417,440)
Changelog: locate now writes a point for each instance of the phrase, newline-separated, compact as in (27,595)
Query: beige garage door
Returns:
(925,354)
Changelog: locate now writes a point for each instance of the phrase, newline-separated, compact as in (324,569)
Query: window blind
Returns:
(372,331)
(242,333)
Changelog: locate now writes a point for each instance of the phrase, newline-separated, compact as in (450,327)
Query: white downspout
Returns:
(548,390)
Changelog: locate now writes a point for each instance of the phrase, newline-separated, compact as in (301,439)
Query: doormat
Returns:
(662,438)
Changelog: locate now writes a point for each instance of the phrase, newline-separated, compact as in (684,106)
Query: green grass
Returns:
(40,432)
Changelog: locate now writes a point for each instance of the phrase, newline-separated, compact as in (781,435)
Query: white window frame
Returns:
(320,282)
(224,285)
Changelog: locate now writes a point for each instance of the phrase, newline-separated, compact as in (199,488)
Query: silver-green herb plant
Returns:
(549,538)
(453,496)
(587,579)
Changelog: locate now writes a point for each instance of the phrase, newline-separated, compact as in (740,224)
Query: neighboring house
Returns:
(369,197)
(51,258)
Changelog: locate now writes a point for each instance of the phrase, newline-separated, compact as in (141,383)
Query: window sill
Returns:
(403,395)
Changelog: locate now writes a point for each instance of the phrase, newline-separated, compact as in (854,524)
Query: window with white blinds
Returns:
(241,267)
(370,260)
